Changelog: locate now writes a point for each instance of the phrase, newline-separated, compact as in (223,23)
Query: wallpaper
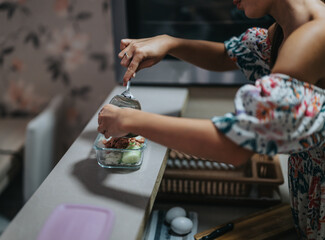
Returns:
(51,47)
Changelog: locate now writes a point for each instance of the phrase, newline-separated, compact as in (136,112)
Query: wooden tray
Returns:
(189,177)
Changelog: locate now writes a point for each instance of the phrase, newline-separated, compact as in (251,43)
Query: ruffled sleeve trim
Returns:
(251,52)
(278,114)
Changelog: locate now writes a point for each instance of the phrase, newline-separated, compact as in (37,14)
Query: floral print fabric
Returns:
(279,114)
(276,115)
(251,52)
(307,189)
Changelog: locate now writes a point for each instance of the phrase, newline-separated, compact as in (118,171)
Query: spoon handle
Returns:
(128,86)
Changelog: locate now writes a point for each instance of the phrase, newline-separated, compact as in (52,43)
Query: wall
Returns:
(50,47)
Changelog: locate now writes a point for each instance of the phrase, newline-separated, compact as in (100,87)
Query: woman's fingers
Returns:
(132,68)
(101,129)
(108,121)
(125,51)
(126,59)
(126,62)
(124,43)
(139,53)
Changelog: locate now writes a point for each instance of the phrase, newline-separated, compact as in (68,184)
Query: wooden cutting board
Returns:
(266,224)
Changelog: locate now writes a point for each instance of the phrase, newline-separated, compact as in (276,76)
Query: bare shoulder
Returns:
(311,31)
(303,53)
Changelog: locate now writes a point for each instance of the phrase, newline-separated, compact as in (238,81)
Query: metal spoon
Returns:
(126,100)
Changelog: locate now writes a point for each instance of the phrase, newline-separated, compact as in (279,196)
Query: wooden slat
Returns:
(260,170)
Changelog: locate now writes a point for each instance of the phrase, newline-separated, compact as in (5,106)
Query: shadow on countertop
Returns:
(92,176)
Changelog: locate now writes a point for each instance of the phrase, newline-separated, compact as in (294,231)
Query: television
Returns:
(215,20)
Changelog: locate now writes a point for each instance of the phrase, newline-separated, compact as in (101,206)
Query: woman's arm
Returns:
(205,54)
(193,136)
(137,54)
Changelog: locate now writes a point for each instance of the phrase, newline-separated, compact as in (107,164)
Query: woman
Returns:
(283,111)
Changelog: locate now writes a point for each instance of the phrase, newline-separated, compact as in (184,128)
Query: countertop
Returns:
(78,179)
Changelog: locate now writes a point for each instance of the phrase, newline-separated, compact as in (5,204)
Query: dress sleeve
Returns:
(251,52)
(278,114)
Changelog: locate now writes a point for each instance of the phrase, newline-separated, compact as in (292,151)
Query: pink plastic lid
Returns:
(82,222)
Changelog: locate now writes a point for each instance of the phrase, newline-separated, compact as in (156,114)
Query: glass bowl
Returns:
(129,158)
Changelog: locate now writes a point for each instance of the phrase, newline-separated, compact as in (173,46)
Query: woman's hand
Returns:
(137,54)
(110,121)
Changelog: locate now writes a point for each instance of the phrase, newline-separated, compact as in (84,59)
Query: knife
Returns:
(219,232)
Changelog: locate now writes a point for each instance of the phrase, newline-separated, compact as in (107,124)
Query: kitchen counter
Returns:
(78,179)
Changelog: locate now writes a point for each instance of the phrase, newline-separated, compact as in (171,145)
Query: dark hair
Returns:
(276,42)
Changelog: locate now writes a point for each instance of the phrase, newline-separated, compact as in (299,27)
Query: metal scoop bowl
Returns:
(126,100)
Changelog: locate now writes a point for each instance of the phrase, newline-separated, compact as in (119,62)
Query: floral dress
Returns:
(279,114)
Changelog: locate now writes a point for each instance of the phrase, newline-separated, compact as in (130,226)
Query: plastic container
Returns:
(74,221)
(116,157)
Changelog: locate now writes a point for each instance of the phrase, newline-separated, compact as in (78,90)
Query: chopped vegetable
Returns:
(131,157)
(113,158)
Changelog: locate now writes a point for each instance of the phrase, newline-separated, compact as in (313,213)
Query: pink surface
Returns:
(82,222)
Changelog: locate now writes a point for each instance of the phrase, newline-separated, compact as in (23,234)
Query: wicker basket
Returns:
(190,178)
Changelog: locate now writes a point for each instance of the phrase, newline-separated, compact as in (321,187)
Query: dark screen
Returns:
(215,20)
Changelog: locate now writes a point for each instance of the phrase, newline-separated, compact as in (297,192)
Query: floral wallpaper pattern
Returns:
(55,47)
